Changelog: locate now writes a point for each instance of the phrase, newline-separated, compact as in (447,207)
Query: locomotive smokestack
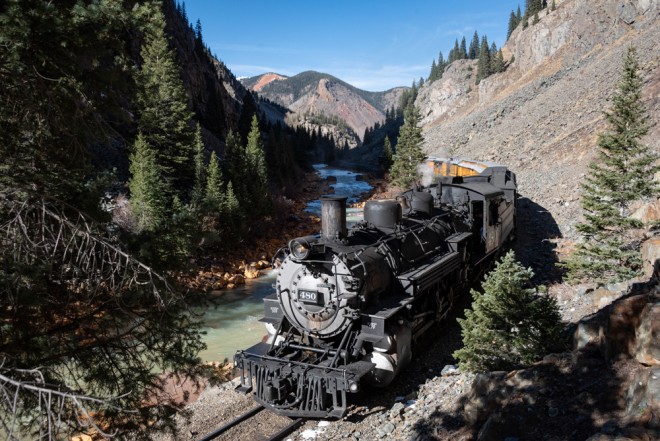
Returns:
(333,217)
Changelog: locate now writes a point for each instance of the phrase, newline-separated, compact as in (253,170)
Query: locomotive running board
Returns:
(428,274)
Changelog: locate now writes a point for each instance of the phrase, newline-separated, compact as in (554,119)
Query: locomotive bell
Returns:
(333,217)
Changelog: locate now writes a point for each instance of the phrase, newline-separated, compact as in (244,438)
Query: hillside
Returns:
(322,94)
(217,97)
(542,115)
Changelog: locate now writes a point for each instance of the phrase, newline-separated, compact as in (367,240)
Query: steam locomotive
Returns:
(350,305)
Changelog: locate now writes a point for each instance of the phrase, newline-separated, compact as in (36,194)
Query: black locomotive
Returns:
(349,306)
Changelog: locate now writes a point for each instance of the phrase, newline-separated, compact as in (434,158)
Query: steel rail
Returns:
(247,415)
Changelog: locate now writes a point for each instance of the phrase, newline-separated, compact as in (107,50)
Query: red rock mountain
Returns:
(317,100)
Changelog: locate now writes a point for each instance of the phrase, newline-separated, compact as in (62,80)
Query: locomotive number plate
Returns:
(311,297)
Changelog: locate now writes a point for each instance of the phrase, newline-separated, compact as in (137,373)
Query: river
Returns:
(233,322)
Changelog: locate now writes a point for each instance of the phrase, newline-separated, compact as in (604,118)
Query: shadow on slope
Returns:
(534,245)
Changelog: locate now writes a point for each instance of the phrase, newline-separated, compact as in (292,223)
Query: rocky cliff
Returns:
(542,115)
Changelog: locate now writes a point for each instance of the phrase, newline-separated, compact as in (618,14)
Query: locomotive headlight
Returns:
(301,247)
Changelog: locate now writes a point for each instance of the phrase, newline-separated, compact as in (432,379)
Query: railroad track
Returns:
(247,416)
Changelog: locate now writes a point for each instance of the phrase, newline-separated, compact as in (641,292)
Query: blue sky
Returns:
(373,45)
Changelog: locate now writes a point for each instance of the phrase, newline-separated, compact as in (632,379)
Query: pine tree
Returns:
(510,325)
(409,152)
(164,116)
(234,215)
(235,164)
(65,77)
(499,64)
(484,64)
(463,54)
(258,172)
(213,196)
(533,7)
(474,46)
(622,174)
(434,72)
(553,7)
(518,15)
(441,65)
(200,168)
(512,25)
(387,153)
(536,18)
(198,30)
(496,61)
(147,195)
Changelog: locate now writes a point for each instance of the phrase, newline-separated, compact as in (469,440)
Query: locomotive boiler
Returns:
(349,306)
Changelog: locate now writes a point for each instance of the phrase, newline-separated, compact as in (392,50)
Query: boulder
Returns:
(485,396)
(602,297)
(624,318)
(647,349)
(611,331)
(648,213)
(590,333)
(651,257)
(643,393)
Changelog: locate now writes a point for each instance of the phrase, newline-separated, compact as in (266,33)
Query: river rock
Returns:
(236,279)
(251,271)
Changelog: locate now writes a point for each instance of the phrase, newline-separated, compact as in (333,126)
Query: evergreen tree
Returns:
(536,18)
(387,153)
(510,325)
(496,60)
(623,174)
(409,152)
(473,52)
(441,65)
(236,164)
(463,54)
(198,30)
(234,215)
(213,195)
(200,168)
(147,195)
(434,72)
(484,64)
(518,15)
(553,7)
(258,172)
(513,23)
(533,7)
(65,77)
(85,334)
(164,116)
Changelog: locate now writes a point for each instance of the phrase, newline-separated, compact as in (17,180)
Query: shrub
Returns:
(510,324)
